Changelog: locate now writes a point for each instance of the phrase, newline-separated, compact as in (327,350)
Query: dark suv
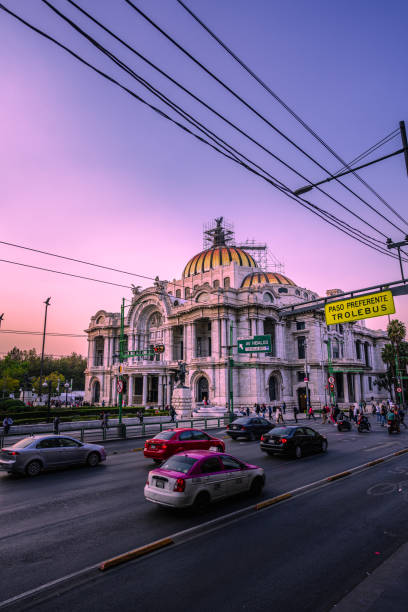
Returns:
(250,428)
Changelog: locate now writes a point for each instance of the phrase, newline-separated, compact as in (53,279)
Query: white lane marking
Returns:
(378,446)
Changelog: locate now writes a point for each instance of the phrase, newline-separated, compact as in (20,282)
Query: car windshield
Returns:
(23,443)
(164,435)
(282,431)
(242,421)
(179,463)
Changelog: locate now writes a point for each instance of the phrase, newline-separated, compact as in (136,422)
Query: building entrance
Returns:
(152,389)
(301,394)
(202,389)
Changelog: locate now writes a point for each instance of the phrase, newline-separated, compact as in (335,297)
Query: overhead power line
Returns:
(288,108)
(305,203)
(252,109)
(40,333)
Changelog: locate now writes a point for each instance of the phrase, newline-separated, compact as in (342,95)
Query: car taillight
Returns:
(164,445)
(179,485)
(284,440)
(13,453)
(228,426)
(147,481)
(243,427)
(262,438)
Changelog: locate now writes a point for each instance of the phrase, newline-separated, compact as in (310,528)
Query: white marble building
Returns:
(220,288)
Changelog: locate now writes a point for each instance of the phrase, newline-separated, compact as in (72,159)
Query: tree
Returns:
(8,385)
(55,378)
(396,331)
(395,354)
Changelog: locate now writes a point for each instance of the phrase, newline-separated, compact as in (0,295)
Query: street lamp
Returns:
(21,392)
(48,385)
(66,393)
(47,303)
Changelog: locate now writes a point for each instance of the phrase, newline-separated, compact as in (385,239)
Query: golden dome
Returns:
(218,256)
(266,278)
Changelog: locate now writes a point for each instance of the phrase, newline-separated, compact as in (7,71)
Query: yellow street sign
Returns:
(362,307)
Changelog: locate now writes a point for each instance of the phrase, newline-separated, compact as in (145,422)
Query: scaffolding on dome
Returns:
(221,231)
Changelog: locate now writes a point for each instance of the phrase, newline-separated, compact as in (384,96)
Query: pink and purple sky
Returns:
(89,172)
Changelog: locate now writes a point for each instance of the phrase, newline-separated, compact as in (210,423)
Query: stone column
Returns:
(184,355)
(280,340)
(130,390)
(357,387)
(190,352)
(160,391)
(115,390)
(144,395)
(215,343)
(345,387)
(168,389)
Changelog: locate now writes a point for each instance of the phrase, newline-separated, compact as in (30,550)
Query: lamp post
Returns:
(48,385)
(47,303)
(21,392)
(66,393)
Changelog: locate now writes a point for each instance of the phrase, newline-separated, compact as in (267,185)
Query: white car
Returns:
(196,478)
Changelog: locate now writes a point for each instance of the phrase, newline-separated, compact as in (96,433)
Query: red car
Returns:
(172,441)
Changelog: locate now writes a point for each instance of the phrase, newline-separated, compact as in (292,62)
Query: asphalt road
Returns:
(64,521)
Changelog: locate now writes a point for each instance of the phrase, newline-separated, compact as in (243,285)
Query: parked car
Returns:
(250,428)
(293,440)
(32,455)
(343,423)
(171,441)
(197,478)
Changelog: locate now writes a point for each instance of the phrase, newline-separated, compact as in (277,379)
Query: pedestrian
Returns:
(247,411)
(278,415)
(7,423)
(383,414)
(324,414)
(106,419)
(295,412)
(355,412)
(350,413)
(378,412)
(103,403)
(141,415)
(270,412)
(56,424)
(310,413)
(257,409)
(263,410)
(172,414)
(336,412)
(401,414)
(284,407)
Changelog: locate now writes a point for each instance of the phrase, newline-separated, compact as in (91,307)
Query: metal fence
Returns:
(116,431)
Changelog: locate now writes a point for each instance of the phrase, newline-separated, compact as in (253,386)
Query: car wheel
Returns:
(202,501)
(252,436)
(271,453)
(298,452)
(93,459)
(323,446)
(157,461)
(220,449)
(256,487)
(340,428)
(33,468)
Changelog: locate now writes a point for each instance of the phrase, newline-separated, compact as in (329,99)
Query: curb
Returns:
(135,553)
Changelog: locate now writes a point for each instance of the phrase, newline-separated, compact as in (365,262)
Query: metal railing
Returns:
(116,431)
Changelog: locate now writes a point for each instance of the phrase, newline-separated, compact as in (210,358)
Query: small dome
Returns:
(218,256)
(266,278)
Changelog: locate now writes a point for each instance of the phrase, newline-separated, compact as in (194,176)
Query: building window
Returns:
(216,284)
(301,342)
(178,293)
(282,290)
(306,296)
(370,383)
(269,329)
(226,282)
(273,389)
(366,353)
(297,292)
(341,329)
(335,350)
(187,292)
(358,349)
(203,338)
(300,376)
(99,346)
(300,325)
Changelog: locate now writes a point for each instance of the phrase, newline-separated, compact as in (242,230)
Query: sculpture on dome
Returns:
(136,289)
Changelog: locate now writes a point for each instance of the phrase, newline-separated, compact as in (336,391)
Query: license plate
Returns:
(152,446)
(235,427)
(160,484)
(213,448)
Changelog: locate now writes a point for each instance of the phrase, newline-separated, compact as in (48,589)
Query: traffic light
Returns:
(159,348)
(331,387)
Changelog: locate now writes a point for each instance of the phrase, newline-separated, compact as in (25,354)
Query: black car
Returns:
(297,441)
(249,427)
(343,423)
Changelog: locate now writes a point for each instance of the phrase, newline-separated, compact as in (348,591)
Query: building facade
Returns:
(224,295)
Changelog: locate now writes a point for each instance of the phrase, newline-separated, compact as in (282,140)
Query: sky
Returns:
(89,172)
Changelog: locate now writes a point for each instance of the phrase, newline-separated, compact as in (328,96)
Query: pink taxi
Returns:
(197,478)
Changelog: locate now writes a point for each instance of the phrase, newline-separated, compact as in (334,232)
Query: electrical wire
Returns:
(370,150)
(287,107)
(201,102)
(301,201)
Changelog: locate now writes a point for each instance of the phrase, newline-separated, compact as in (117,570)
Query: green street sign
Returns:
(257,344)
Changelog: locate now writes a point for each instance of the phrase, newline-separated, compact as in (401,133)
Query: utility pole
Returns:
(47,303)
(404,142)
(121,357)
(307,379)
(230,378)
(330,370)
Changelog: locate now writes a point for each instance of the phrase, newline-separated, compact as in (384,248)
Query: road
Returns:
(64,521)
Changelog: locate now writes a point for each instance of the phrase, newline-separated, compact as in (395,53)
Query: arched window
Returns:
(202,389)
(226,282)
(96,392)
(203,338)
(297,292)
(178,293)
(98,354)
(267,298)
(155,332)
(216,284)
(269,329)
(100,320)
(306,295)
(187,292)
(282,290)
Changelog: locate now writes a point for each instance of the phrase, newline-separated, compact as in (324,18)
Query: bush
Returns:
(11,404)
